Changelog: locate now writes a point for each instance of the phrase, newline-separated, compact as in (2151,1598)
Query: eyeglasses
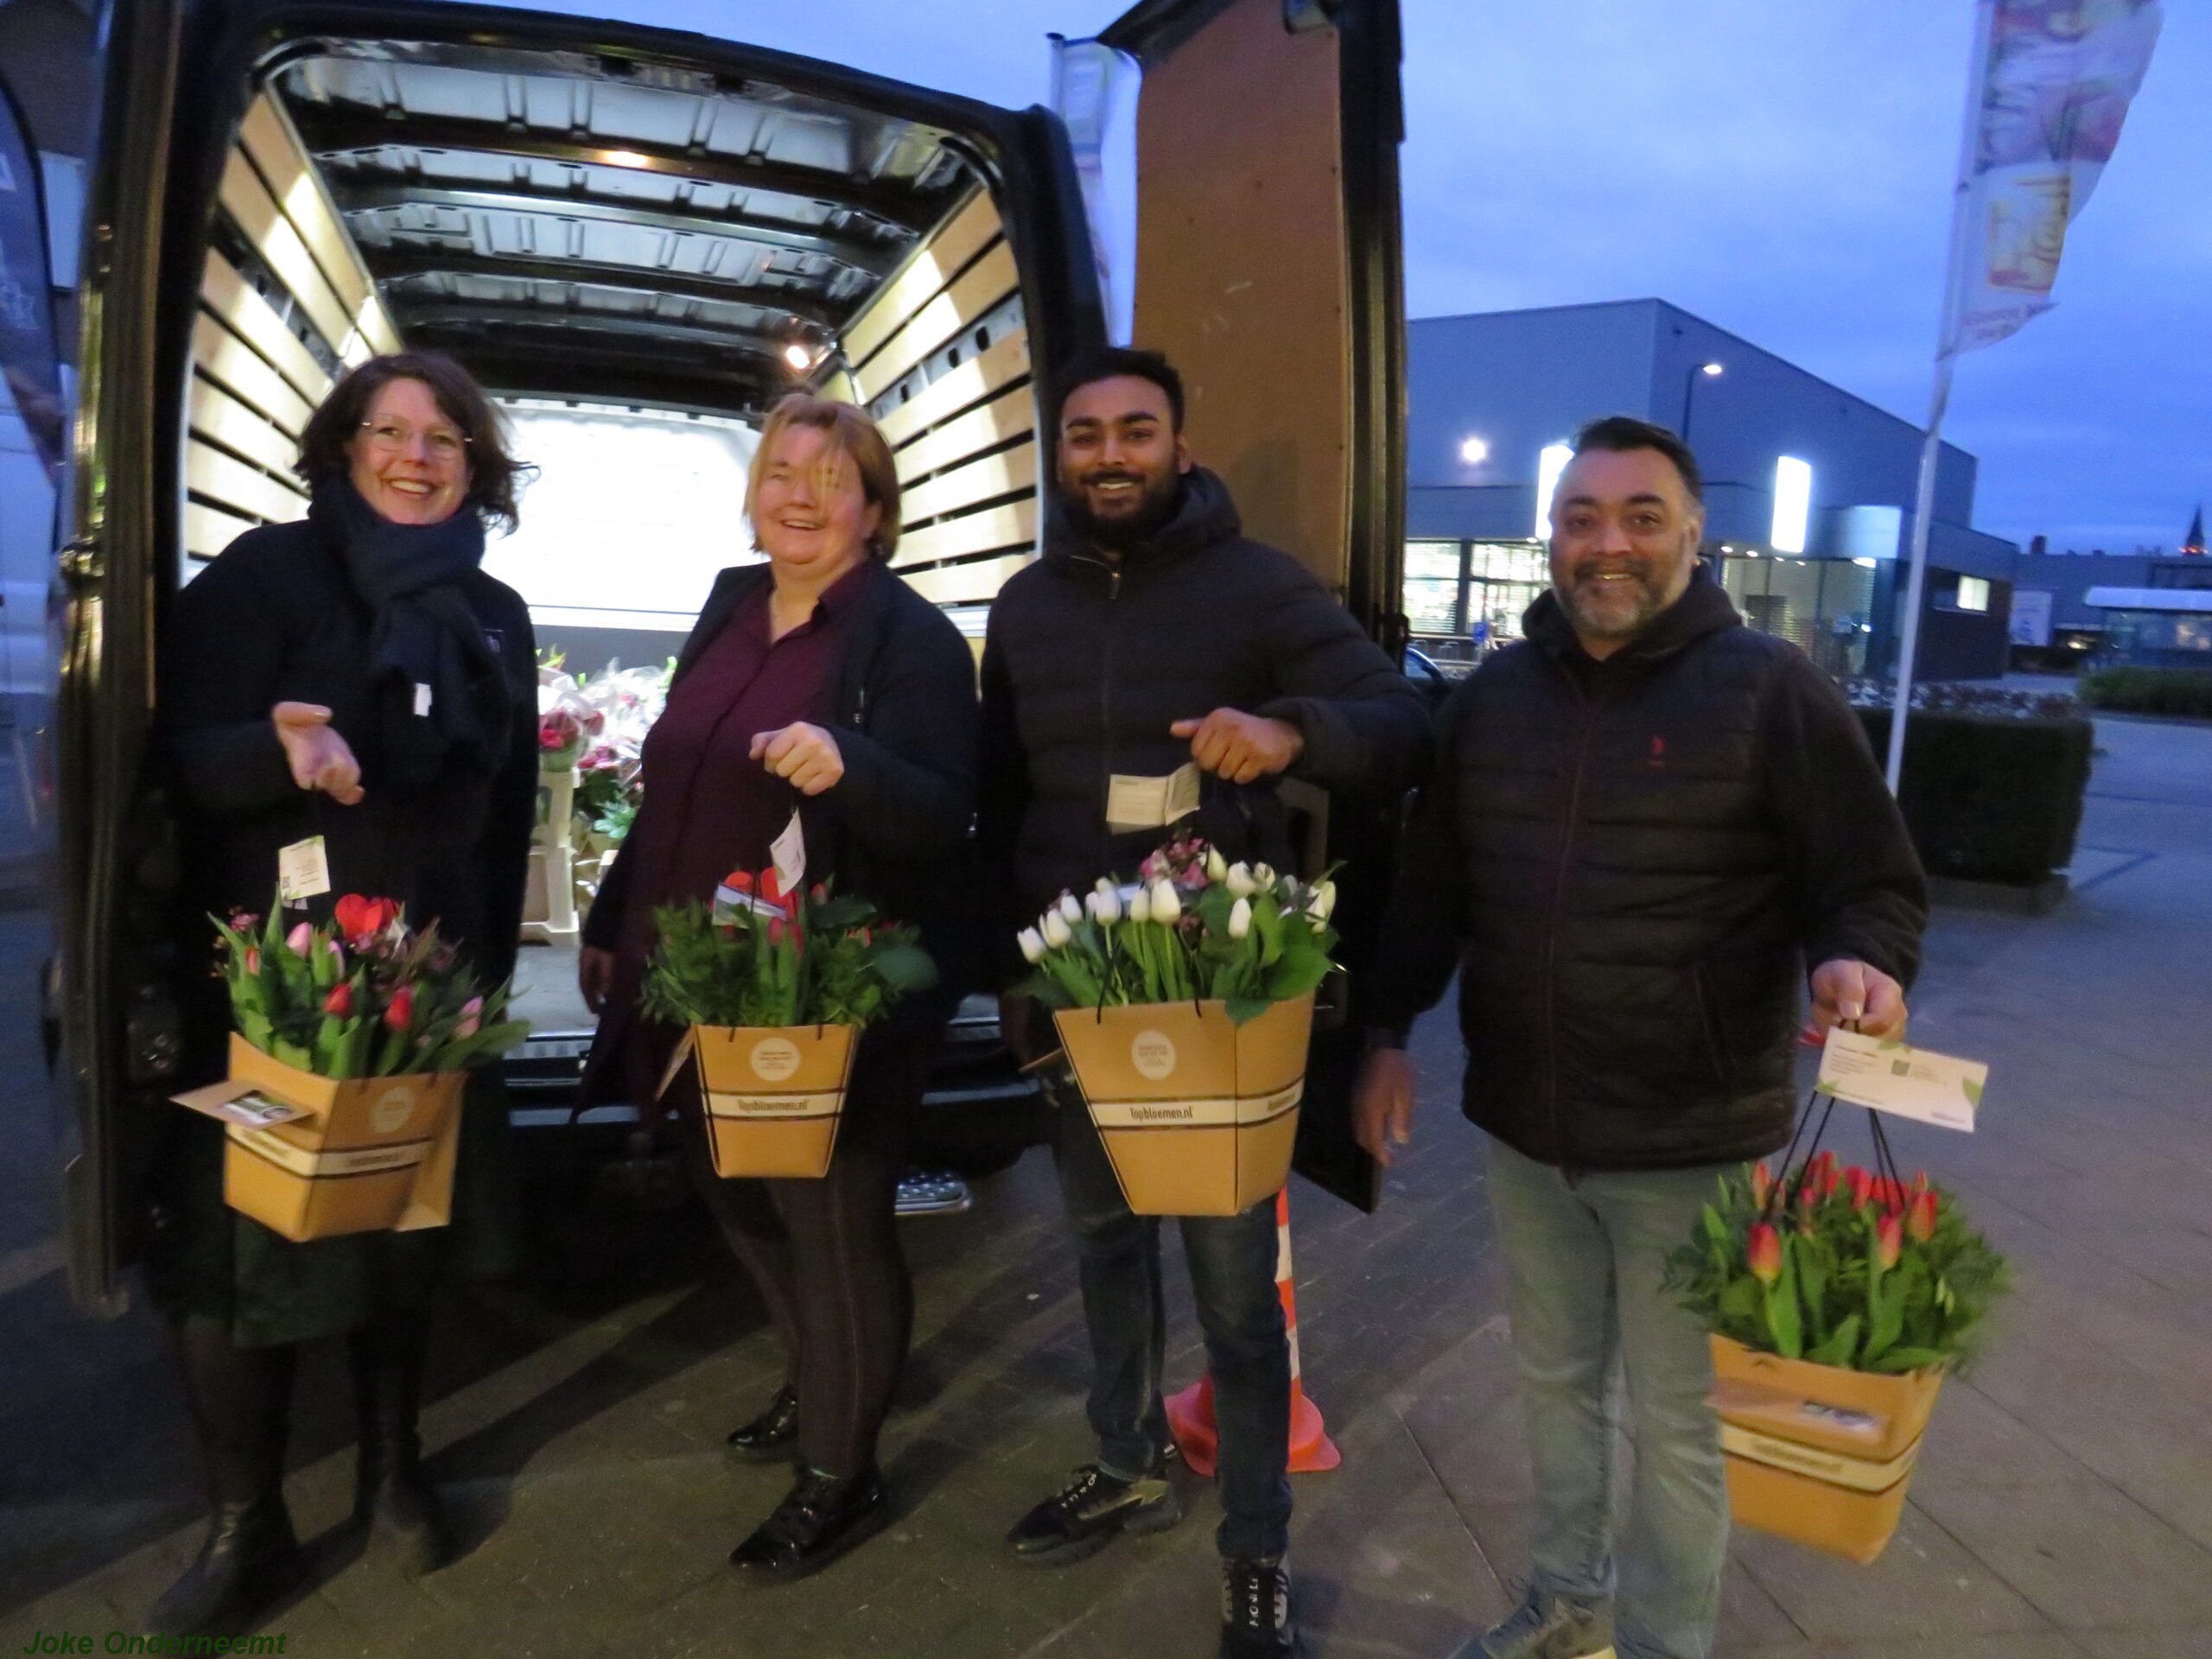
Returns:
(440,443)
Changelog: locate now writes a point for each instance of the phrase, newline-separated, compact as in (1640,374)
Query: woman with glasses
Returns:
(354,679)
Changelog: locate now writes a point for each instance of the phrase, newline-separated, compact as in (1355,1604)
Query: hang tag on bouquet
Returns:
(303,871)
(1915,1083)
(232,1103)
(1133,804)
(788,853)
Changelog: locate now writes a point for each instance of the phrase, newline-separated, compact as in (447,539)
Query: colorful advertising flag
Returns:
(27,343)
(2055,89)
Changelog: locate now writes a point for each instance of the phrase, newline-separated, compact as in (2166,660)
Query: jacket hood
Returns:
(1704,608)
(1203,516)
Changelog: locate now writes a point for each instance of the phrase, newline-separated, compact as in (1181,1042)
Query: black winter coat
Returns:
(276,619)
(895,828)
(1632,863)
(1087,662)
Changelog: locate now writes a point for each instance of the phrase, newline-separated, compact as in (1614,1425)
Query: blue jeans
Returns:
(1584,1254)
(1232,1262)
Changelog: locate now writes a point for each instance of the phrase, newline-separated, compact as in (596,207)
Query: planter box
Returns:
(1199,1115)
(772,1095)
(1817,1453)
(371,1154)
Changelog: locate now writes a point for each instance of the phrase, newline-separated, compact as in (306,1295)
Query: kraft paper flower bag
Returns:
(1838,1297)
(773,989)
(353,1042)
(1184,1000)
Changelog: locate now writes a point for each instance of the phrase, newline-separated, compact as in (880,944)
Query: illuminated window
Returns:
(1974,593)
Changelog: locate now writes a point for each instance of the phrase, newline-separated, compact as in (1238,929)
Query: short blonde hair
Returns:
(853,436)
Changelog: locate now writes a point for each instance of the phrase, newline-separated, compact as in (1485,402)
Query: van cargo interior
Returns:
(632,241)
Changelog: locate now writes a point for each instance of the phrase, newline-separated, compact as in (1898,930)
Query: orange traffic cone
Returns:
(1190,1413)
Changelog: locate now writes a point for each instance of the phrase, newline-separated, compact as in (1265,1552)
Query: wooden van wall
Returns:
(285,305)
(941,357)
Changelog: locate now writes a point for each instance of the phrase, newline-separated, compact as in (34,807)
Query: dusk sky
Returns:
(1783,171)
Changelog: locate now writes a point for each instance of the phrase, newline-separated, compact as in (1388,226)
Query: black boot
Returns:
(819,1520)
(772,1435)
(241,1401)
(1255,1616)
(392,1497)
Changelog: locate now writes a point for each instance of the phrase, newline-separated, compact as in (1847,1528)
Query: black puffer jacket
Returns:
(1089,662)
(1632,863)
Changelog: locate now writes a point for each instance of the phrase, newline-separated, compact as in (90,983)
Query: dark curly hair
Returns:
(494,473)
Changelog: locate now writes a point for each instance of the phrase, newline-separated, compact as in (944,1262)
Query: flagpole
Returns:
(1923,509)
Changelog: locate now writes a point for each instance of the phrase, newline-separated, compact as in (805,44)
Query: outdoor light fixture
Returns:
(1474,451)
(1793,504)
(1551,461)
(798,357)
(1710,368)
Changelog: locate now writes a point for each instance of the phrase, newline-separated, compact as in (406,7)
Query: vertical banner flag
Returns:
(2053,92)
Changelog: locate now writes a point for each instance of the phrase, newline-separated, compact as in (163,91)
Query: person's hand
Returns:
(804,755)
(1846,990)
(1382,1104)
(320,758)
(1242,747)
(595,976)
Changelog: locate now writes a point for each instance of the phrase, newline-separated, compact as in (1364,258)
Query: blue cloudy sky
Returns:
(1781,170)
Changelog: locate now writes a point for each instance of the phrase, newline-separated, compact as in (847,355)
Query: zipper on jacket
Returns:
(1106,719)
(1592,707)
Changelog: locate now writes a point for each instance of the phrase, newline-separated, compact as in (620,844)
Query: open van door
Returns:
(1268,268)
(283,187)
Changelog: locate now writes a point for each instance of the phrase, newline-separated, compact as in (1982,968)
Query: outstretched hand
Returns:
(1241,748)
(319,757)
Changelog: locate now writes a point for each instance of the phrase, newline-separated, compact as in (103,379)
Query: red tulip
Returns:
(1889,1240)
(821,892)
(1762,1186)
(739,880)
(1808,1196)
(252,960)
(1920,1218)
(772,886)
(1891,1190)
(340,999)
(400,1012)
(1763,1248)
(1861,1184)
(775,929)
(1830,1171)
(358,918)
(1920,1181)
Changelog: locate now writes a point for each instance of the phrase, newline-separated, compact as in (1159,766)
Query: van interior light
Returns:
(624,158)
(1551,461)
(1474,451)
(1793,504)
(798,356)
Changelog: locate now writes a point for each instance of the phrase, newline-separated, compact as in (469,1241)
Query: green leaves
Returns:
(1832,1300)
(827,959)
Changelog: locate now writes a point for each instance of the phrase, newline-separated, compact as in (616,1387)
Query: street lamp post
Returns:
(1706,370)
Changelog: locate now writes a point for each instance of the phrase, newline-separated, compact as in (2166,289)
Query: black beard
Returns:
(1128,529)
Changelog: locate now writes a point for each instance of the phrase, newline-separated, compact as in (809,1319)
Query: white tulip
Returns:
(1263,878)
(1105,907)
(1071,910)
(1217,866)
(1055,929)
(1166,903)
(1140,904)
(1105,884)
(1240,919)
(1239,878)
(1322,904)
(1033,946)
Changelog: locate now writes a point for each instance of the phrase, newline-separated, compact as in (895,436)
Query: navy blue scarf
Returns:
(435,681)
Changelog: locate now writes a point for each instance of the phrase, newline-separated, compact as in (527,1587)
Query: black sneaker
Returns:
(1084,1515)
(769,1437)
(820,1518)
(1255,1621)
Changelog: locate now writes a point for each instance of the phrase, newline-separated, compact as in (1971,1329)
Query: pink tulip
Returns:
(469,1026)
(1763,1248)
(300,940)
(1920,1218)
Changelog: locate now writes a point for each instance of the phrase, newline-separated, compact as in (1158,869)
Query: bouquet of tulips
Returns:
(760,957)
(361,995)
(1840,1266)
(1190,928)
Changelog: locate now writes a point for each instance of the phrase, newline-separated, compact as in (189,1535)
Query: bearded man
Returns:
(1157,668)
(1646,824)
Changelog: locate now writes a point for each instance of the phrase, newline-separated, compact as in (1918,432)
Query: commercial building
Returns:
(1808,488)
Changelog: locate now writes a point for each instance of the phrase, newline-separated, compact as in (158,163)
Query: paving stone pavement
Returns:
(2063,1507)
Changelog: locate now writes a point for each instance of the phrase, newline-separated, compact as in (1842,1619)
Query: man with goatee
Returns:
(1649,832)
(1155,654)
